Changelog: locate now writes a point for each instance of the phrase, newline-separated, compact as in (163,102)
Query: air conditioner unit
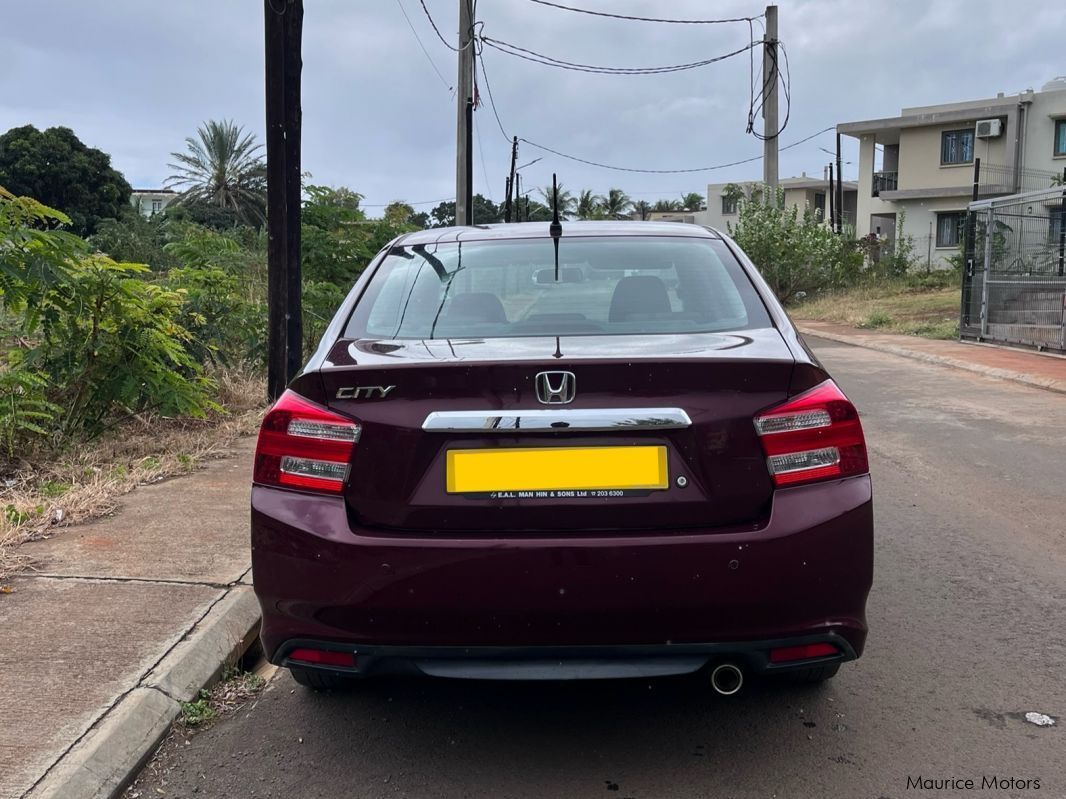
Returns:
(989,128)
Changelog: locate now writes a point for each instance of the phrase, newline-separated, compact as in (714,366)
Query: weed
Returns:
(876,319)
(193,714)
(53,488)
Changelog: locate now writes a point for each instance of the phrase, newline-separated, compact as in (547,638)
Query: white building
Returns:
(152,201)
(920,165)
(801,192)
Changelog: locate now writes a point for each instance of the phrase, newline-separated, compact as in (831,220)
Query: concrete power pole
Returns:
(769,109)
(464,119)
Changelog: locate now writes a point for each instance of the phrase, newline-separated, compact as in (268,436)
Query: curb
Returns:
(103,763)
(1034,381)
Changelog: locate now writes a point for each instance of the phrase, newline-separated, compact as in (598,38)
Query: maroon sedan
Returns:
(525,454)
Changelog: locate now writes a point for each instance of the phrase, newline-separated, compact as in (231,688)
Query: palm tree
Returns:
(222,167)
(589,205)
(617,204)
(567,201)
(642,207)
(693,201)
(666,205)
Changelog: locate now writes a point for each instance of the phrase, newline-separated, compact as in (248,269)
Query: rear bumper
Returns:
(803,576)
(566,663)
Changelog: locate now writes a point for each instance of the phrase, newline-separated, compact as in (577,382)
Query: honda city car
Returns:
(593,450)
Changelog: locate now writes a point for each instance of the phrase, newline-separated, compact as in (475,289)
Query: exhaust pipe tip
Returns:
(727,679)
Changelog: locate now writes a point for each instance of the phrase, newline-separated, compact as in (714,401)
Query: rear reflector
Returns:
(303,445)
(814,436)
(804,652)
(323,657)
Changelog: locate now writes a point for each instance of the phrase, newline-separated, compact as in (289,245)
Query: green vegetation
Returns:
(794,250)
(57,170)
(146,316)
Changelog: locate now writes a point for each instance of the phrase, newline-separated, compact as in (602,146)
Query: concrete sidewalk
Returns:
(1021,366)
(125,618)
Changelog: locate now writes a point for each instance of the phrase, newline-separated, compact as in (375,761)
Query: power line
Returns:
(420,202)
(484,169)
(424,50)
(642,19)
(436,30)
(492,102)
(540,58)
(669,171)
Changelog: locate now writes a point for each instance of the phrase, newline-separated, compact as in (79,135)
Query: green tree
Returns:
(666,205)
(567,201)
(135,239)
(55,168)
(589,205)
(484,212)
(617,205)
(794,252)
(693,201)
(401,213)
(642,207)
(222,167)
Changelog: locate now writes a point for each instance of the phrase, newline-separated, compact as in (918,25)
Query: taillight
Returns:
(803,652)
(303,445)
(813,436)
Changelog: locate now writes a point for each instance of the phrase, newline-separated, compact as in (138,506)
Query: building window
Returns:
(949,228)
(1060,137)
(819,204)
(157,206)
(956,146)
(729,205)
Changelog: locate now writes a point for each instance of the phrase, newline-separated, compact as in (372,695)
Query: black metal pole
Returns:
(277,221)
(1062,228)
(832,201)
(294,19)
(968,248)
(470,159)
(840,188)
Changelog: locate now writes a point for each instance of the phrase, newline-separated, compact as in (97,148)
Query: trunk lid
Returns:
(398,475)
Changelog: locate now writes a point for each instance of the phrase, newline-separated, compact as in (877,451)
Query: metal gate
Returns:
(1014,281)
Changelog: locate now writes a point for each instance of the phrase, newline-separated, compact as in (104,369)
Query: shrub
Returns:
(25,413)
(224,326)
(112,341)
(795,252)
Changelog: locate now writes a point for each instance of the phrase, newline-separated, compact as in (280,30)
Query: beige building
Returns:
(801,192)
(919,166)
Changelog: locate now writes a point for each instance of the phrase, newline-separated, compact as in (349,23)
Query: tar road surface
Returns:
(968,635)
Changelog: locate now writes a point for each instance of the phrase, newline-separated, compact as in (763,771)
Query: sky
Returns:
(135,77)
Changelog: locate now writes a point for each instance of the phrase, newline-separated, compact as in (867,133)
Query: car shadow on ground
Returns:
(655,726)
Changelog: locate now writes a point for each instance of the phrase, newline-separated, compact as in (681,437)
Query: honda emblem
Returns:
(556,388)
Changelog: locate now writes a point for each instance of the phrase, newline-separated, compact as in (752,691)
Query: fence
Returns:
(1014,283)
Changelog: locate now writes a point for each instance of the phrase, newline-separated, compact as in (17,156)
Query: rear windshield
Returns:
(598,286)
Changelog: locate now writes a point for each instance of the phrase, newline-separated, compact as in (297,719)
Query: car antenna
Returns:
(556,227)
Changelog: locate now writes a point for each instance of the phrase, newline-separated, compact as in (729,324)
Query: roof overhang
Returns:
(892,125)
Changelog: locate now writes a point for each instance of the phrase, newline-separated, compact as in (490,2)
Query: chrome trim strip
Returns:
(552,421)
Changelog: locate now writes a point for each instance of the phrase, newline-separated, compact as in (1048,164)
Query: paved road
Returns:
(968,618)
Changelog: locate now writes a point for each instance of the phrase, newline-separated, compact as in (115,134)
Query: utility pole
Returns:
(840,188)
(832,200)
(769,109)
(510,180)
(283,35)
(464,160)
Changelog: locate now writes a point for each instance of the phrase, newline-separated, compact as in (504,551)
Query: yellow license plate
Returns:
(471,471)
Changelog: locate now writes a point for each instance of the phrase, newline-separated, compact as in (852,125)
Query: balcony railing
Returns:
(884,181)
(998,179)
